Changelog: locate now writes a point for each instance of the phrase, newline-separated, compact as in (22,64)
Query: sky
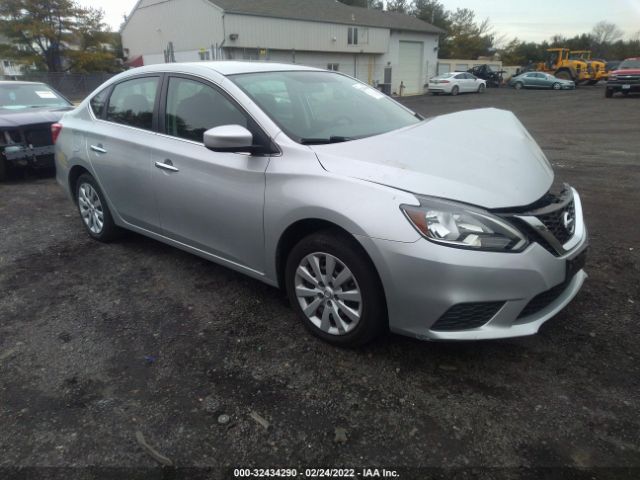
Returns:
(530,20)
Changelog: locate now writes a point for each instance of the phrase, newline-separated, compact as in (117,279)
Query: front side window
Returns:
(132,101)
(194,107)
(323,107)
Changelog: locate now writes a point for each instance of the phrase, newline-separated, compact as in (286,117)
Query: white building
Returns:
(374,46)
(9,70)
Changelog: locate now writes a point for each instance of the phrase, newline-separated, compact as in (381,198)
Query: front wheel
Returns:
(557,86)
(608,92)
(3,169)
(482,88)
(455,91)
(335,289)
(94,211)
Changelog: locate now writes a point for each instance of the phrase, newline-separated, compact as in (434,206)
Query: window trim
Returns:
(160,114)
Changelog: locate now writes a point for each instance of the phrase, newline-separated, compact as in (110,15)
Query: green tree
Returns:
(467,38)
(400,6)
(376,4)
(55,35)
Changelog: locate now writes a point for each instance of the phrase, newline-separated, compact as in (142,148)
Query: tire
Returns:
(482,88)
(93,207)
(455,90)
(565,75)
(608,92)
(593,82)
(556,86)
(518,85)
(358,322)
(3,169)
(435,94)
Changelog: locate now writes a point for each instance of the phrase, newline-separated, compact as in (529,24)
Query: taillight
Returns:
(56,128)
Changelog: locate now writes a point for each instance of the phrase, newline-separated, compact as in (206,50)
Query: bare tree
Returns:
(605,33)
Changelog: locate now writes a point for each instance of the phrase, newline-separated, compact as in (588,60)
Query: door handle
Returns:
(98,148)
(167,165)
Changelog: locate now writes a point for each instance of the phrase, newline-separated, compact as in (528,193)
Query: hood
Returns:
(481,157)
(628,71)
(30,116)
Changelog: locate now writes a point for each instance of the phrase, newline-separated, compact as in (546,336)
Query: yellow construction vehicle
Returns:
(559,64)
(598,67)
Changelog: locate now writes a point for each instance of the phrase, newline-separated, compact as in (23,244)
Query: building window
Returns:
(352,38)
(6,63)
(333,66)
(205,55)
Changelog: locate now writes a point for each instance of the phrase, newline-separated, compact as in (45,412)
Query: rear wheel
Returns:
(592,82)
(3,169)
(564,75)
(335,290)
(608,92)
(94,211)
(518,85)
(455,90)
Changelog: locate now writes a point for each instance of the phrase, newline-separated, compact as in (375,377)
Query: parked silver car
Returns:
(369,216)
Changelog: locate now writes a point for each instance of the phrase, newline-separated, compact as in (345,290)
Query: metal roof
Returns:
(330,11)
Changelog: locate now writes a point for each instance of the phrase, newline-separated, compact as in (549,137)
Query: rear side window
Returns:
(98,102)
(131,102)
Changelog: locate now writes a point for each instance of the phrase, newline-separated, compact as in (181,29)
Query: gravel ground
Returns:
(98,342)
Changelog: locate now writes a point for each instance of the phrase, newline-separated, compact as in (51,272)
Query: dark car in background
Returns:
(540,80)
(625,79)
(27,111)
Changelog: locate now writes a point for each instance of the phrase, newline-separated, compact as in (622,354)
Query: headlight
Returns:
(462,226)
(613,77)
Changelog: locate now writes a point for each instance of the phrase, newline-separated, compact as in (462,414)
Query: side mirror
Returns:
(229,138)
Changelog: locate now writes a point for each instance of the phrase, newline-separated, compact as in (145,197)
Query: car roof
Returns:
(225,67)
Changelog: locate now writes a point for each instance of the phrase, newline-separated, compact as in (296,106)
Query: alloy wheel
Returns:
(328,293)
(91,208)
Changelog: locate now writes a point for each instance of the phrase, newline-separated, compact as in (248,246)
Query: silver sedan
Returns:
(369,216)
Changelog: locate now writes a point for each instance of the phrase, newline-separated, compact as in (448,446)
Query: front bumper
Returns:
(423,281)
(27,155)
(624,87)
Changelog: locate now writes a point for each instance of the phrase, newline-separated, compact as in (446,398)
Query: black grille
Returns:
(40,137)
(543,300)
(465,316)
(555,223)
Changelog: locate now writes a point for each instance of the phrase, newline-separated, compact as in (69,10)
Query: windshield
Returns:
(17,96)
(629,64)
(323,107)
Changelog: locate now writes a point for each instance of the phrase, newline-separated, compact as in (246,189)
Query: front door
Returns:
(208,200)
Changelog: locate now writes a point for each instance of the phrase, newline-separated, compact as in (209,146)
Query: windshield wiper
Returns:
(322,141)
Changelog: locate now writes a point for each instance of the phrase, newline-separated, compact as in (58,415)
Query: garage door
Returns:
(409,69)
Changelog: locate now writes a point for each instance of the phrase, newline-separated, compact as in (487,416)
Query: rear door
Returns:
(208,200)
(118,149)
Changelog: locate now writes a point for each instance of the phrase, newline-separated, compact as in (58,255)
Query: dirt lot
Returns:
(100,341)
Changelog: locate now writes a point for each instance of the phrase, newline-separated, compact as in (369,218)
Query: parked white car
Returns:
(454,83)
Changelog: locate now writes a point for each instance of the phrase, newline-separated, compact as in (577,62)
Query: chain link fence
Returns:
(74,86)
